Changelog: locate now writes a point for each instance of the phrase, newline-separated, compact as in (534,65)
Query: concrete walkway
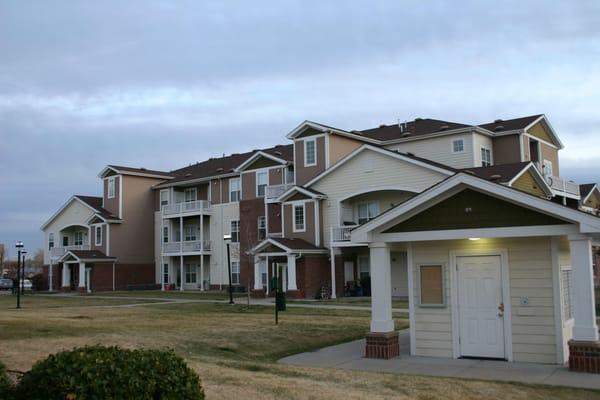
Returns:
(350,356)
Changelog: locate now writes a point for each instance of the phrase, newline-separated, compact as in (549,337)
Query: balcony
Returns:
(274,191)
(562,187)
(186,208)
(58,252)
(341,233)
(195,246)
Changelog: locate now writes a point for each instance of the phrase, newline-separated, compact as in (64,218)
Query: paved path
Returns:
(350,356)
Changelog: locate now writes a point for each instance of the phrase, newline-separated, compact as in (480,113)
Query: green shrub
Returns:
(6,387)
(98,372)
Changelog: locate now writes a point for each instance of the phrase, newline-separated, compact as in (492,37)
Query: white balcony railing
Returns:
(186,207)
(563,185)
(342,233)
(57,252)
(195,246)
(274,191)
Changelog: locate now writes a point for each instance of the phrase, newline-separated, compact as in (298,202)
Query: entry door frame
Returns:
(503,253)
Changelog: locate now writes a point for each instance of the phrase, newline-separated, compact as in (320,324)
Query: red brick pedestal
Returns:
(65,289)
(294,294)
(81,290)
(584,356)
(382,345)
(258,294)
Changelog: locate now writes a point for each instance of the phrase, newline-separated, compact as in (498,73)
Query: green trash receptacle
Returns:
(280,301)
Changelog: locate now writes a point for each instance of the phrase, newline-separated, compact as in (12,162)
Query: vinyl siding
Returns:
(369,171)
(527,183)
(478,142)
(440,150)
(219,225)
(530,274)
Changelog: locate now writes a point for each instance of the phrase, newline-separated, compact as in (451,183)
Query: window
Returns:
(364,266)
(431,278)
(165,234)
(263,273)
(234,189)
(299,218)
(486,157)
(98,236)
(262,180)
(190,195)
(190,273)
(458,146)
(548,168)
(310,152)
(235,272)
(78,238)
(111,187)
(190,233)
(166,273)
(367,211)
(567,294)
(262,227)
(235,231)
(289,174)
(65,241)
(164,197)
(50,240)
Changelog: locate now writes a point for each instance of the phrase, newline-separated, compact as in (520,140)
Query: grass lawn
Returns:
(350,301)
(174,294)
(234,349)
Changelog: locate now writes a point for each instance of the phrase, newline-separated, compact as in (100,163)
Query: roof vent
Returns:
(497,121)
(219,169)
(278,153)
(443,127)
(418,119)
(382,126)
(356,132)
(142,169)
(495,177)
(188,174)
(499,127)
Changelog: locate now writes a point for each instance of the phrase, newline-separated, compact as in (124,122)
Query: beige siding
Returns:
(507,149)
(480,141)
(220,224)
(440,150)
(530,274)
(369,171)
(340,147)
(528,184)
(551,154)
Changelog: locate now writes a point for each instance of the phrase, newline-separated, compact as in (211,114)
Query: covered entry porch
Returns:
(87,271)
(493,273)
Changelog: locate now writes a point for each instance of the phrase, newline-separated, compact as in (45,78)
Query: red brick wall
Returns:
(312,273)
(250,210)
(274,218)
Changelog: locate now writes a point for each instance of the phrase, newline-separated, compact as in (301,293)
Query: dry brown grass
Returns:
(234,350)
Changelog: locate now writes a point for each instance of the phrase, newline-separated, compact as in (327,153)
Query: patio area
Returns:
(350,356)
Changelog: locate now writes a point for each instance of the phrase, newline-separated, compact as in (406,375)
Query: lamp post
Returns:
(19,246)
(227,239)
(23,273)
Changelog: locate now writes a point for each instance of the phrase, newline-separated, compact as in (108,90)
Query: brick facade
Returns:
(584,356)
(312,272)
(382,345)
(250,210)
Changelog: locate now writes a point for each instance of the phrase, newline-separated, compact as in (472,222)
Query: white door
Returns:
(399,273)
(348,271)
(480,307)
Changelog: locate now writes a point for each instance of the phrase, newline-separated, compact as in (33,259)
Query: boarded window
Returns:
(432,285)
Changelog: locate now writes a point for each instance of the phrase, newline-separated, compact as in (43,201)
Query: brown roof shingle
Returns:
(418,127)
(499,173)
(96,204)
(510,124)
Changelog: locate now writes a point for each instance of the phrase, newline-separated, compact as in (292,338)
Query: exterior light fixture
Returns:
(474,239)
(227,239)
(19,246)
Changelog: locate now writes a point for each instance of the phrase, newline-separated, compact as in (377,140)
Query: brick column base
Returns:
(65,288)
(294,294)
(81,290)
(258,294)
(382,345)
(584,356)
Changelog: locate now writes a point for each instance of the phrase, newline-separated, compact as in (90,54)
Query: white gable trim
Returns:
(328,130)
(389,153)
(64,206)
(256,156)
(109,168)
(70,254)
(536,175)
(286,249)
(298,189)
(595,188)
(552,131)
(447,188)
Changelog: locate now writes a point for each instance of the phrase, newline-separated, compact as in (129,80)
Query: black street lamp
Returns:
(23,273)
(19,246)
(227,239)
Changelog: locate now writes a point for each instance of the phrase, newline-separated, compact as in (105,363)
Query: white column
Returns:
(82,275)
(267,268)
(332,261)
(50,275)
(161,269)
(181,277)
(66,275)
(291,272)
(381,289)
(202,253)
(584,312)
(257,277)
(202,272)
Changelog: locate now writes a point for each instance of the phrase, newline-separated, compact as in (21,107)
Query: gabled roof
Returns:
(93,203)
(121,170)
(509,173)
(96,204)
(224,166)
(288,245)
(86,256)
(586,190)
(329,129)
(446,188)
(258,155)
(418,127)
(313,194)
(520,123)
(410,158)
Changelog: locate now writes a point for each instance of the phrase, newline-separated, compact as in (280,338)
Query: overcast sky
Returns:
(161,84)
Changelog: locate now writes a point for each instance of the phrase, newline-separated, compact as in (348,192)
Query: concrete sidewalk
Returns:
(350,356)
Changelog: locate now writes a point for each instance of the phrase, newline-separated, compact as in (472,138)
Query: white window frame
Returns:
(235,273)
(190,190)
(491,160)
(239,189)
(266,173)
(164,202)
(235,222)
(76,241)
(314,142)
(261,224)
(453,147)
(289,174)
(50,241)
(360,260)
(98,238)
(367,204)
(295,227)
(110,191)
(165,229)
(545,168)
(190,271)
(189,233)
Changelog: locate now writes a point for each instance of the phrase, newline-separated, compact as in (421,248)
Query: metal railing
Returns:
(341,233)
(563,185)
(194,246)
(57,252)
(186,207)
(274,191)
